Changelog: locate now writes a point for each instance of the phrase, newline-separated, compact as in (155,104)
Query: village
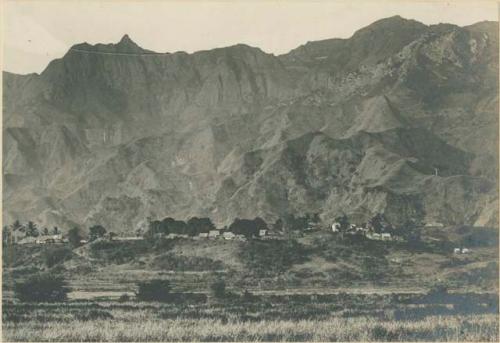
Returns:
(203,229)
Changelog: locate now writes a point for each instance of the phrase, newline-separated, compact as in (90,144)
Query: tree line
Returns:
(196,225)
(30,229)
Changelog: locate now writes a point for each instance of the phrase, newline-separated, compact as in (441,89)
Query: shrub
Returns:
(438,289)
(154,290)
(273,256)
(218,288)
(42,288)
(56,256)
(247,296)
(124,298)
(195,263)
(117,252)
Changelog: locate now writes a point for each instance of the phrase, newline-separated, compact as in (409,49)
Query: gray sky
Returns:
(35,33)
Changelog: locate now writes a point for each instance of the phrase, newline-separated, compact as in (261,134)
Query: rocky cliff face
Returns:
(401,118)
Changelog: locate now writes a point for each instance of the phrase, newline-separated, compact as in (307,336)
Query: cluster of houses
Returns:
(219,234)
(365,231)
(46,239)
(212,234)
(461,251)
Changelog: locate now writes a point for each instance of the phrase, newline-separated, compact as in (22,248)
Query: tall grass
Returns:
(140,327)
(135,321)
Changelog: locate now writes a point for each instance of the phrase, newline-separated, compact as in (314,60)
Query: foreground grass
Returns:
(143,328)
(367,319)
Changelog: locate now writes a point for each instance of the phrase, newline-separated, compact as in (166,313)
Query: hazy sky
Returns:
(35,32)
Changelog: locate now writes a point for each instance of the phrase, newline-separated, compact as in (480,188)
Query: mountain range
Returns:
(401,119)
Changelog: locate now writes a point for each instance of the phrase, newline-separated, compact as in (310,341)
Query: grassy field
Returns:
(272,318)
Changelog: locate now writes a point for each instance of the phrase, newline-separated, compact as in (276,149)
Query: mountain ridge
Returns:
(112,139)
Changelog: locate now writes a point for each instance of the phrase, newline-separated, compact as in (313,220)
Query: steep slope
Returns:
(379,122)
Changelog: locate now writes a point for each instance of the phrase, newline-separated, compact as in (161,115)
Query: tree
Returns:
(42,288)
(112,235)
(74,237)
(196,225)
(31,230)
(170,225)
(45,231)
(154,290)
(17,226)
(343,222)
(378,223)
(218,288)
(248,227)
(261,224)
(139,232)
(278,225)
(55,230)
(154,228)
(96,231)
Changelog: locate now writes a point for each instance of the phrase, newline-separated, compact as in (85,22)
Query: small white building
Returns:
(335,227)
(434,224)
(262,233)
(465,251)
(386,236)
(228,235)
(49,239)
(457,251)
(376,235)
(203,235)
(131,238)
(213,233)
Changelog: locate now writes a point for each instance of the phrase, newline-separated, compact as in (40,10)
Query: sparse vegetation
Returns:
(170,261)
(218,288)
(154,290)
(55,256)
(270,257)
(41,288)
(116,252)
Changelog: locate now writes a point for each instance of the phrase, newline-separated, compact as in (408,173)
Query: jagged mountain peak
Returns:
(124,46)
(126,40)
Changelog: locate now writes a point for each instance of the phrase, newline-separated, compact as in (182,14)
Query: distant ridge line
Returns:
(118,53)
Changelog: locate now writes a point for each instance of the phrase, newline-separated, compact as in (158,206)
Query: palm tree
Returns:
(17,227)
(31,230)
